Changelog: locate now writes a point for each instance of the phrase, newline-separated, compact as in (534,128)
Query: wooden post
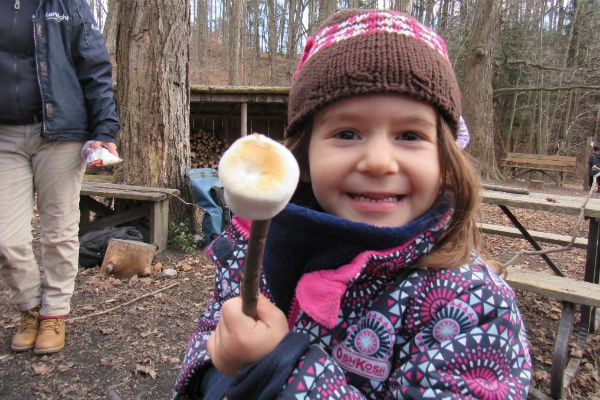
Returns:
(244,119)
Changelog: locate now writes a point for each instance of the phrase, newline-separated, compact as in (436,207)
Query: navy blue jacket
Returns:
(74,73)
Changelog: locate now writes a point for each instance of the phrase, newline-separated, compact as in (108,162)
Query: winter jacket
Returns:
(74,73)
(594,161)
(365,323)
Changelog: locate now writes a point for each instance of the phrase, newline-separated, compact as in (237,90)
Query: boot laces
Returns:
(51,324)
(29,320)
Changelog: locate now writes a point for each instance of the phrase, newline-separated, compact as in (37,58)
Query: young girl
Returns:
(372,283)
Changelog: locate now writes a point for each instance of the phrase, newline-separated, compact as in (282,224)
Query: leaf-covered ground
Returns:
(125,338)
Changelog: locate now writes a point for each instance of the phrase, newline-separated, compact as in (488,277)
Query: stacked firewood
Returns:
(206,149)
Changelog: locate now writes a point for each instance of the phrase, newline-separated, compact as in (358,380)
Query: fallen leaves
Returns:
(41,369)
(145,370)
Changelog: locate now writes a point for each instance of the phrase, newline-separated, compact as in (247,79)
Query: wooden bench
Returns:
(570,292)
(546,164)
(554,238)
(151,205)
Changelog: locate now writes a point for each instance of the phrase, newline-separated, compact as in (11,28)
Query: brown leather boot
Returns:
(51,336)
(27,331)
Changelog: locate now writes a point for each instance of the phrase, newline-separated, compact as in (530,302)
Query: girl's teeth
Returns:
(369,199)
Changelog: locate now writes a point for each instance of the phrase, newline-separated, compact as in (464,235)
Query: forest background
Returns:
(529,70)
(530,77)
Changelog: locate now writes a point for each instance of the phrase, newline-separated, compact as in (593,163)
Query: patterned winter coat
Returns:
(364,322)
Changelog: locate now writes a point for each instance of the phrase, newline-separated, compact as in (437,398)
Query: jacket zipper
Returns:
(17,5)
(36,29)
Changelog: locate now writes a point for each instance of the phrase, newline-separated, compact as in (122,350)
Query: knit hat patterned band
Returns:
(359,52)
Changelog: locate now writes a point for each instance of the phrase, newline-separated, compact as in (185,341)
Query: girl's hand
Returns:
(239,340)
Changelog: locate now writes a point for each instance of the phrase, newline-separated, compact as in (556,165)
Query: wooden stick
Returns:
(124,304)
(251,277)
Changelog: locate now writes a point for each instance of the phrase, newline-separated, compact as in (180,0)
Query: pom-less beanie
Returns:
(360,52)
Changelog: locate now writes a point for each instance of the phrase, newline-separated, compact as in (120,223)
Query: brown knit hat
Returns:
(360,52)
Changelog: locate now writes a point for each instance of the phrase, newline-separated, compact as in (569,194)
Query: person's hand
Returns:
(239,340)
(97,144)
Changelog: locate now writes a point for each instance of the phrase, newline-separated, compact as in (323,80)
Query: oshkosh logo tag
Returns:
(360,364)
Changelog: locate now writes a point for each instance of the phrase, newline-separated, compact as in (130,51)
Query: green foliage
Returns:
(181,237)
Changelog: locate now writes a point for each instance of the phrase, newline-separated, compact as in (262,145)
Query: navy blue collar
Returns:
(303,240)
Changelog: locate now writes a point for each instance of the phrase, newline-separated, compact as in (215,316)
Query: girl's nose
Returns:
(378,157)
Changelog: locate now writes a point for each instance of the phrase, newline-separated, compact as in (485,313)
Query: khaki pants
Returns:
(53,171)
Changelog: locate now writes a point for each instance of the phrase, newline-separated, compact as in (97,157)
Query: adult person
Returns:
(594,165)
(56,77)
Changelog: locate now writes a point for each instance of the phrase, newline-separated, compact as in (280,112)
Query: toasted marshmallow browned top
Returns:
(259,176)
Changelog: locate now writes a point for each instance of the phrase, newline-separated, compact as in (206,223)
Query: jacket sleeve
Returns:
(470,344)
(94,71)
(198,379)
(197,375)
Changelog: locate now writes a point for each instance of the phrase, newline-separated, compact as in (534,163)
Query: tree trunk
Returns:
(295,19)
(110,28)
(272,39)
(235,19)
(404,6)
(326,8)
(478,108)
(255,41)
(200,43)
(153,95)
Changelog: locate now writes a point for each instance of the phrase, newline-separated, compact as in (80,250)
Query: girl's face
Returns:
(375,159)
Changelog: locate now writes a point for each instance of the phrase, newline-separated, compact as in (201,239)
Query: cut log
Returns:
(126,258)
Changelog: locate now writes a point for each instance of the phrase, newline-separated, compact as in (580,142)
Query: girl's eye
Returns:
(347,135)
(409,136)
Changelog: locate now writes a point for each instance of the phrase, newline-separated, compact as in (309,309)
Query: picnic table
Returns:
(555,284)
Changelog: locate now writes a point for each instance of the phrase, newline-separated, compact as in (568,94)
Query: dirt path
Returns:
(133,351)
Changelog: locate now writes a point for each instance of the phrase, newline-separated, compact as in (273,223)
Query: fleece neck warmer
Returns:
(303,241)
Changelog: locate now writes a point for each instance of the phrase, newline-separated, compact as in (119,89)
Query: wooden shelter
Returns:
(233,111)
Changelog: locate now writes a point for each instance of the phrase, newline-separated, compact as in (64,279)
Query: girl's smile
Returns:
(375,159)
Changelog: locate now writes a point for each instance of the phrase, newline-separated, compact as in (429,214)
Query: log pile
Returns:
(206,149)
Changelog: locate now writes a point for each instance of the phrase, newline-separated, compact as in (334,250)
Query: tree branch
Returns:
(576,229)
(124,304)
(539,66)
(545,88)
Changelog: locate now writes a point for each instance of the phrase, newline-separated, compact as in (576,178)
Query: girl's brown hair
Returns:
(462,239)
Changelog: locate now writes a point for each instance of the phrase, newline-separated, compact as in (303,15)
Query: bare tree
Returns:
(255,34)
(326,8)
(200,40)
(478,108)
(404,6)
(153,93)
(236,16)
(110,27)
(272,38)
(295,12)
